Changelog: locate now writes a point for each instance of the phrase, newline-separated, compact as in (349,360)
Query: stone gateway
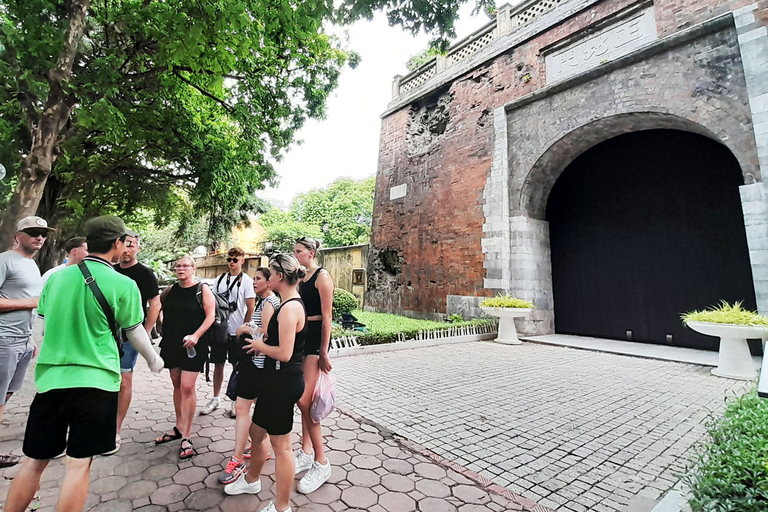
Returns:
(601,158)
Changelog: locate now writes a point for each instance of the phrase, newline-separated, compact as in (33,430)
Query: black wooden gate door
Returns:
(644,227)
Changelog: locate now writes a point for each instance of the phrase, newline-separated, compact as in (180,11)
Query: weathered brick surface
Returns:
(442,147)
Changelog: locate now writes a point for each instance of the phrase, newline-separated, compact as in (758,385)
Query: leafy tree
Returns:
(343,211)
(123,100)
(130,98)
(283,230)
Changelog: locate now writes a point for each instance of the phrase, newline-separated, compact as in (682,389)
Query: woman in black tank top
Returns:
(279,385)
(188,311)
(317,293)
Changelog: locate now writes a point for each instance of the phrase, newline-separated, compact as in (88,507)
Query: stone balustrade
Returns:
(506,19)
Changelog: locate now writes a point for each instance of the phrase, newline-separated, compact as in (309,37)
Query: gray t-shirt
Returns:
(19,279)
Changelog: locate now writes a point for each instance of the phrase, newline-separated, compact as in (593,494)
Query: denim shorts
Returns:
(15,356)
(128,361)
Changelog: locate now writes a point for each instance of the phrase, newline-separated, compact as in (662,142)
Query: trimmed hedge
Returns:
(385,328)
(343,302)
(731,468)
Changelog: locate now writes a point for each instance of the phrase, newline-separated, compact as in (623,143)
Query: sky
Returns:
(346,142)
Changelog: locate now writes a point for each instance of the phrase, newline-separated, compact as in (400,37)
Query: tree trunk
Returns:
(52,252)
(45,128)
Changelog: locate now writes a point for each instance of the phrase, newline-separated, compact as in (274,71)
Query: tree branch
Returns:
(229,108)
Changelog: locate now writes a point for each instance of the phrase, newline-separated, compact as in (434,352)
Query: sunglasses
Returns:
(232,260)
(128,243)
(34,233)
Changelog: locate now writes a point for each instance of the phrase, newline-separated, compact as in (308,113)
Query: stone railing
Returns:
(507,19)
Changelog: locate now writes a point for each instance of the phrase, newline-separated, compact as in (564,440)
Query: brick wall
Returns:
(441,147)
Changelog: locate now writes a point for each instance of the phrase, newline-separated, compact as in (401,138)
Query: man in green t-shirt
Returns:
(78,369)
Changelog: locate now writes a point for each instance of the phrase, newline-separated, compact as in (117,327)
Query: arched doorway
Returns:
(643,227)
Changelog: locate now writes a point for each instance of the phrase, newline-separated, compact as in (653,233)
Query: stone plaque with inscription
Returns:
(612,42)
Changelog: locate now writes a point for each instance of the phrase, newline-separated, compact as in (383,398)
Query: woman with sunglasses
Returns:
(316,291)
(188,310)
(279,385)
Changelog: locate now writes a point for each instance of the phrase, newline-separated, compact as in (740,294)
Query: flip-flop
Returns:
(167,438)
(189,451)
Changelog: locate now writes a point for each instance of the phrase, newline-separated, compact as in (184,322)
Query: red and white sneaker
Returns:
(234,469)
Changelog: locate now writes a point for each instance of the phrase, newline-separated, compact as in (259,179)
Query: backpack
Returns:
(217,332)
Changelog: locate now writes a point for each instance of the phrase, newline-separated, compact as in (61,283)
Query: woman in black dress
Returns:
(188,309)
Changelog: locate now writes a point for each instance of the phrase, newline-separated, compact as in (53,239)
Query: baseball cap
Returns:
(106,227)
(33,222)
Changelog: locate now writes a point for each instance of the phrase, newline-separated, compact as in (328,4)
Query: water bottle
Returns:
(191,352)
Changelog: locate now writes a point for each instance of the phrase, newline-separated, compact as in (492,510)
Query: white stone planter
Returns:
(507,330)
(735,361)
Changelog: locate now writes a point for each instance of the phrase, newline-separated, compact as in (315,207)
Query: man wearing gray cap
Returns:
(78,371)
(20,287)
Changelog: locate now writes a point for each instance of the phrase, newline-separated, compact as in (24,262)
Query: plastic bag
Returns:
(324,397)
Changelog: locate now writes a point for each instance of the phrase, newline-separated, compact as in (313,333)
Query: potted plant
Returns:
(507,308)
(734,325)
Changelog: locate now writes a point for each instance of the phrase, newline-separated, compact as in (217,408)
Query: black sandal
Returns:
(167,438)
(189,451)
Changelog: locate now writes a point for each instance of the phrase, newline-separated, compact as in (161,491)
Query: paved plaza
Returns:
(373,471)
(470,427)
(570,429)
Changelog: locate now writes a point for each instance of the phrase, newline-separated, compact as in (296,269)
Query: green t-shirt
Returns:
(78,348)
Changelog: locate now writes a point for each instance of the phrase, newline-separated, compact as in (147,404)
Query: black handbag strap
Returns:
(91,282)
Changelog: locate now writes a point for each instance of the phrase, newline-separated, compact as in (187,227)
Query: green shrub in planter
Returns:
(726,314)
(506,301)
(343,302)
(730,472)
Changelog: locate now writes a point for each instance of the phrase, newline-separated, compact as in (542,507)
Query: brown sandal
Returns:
(187,452)
(167,438)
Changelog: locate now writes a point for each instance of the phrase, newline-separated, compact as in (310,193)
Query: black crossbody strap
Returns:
(91,282)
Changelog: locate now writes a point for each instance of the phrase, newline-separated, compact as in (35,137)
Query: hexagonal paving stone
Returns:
(160,471)
(139,489)
(241,503)
(190,476)
(326,494)
(107,484)
(366,462)
(470,494)
(204,499)
(433,488)
(436,505)
(432,471)
(401,467)
(113,506)
(359,497)
(168,494)
(397,502)
(363,477)
(131,467)
(397,483)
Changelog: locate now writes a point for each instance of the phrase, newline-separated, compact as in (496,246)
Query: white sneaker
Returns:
(303,461)
(211,406)
(241,486)
(271,508)
(317,475)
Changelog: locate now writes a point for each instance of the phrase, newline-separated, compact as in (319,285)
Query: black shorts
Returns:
(312,340)
(90,415)
(175,356)
(278,393)
(221,352)
(247,385)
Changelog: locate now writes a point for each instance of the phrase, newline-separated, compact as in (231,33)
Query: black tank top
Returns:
(311,295)
(182,314)
(273,340)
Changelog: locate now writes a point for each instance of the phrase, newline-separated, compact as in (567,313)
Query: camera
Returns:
(233,306)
